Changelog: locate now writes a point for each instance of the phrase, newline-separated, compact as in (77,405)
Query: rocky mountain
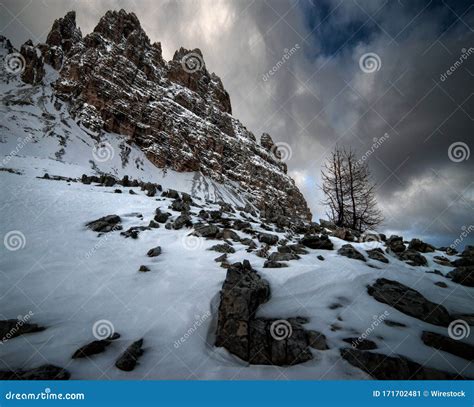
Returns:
(146,235)
(115,80)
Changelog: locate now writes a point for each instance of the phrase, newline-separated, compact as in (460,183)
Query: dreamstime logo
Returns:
(281,329)
(466,230)
(458,329)
(465,53)
(192,62)
(22,142)
(15,63)
(372,239)
(199,320)
(14,240)
(378,319)
(287,54)
(370,62)
(282,151)
(192,242)
(21,320)
(458,152)
(103,152)
(378,141)
(103,329)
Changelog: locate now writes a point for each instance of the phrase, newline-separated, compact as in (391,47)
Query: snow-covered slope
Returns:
(81,286)
(68,278)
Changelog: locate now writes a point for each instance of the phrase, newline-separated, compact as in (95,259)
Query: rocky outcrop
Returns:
(105,224)
(377,254)
(383,367)
(34,66)
(395,244)
(44,372)
(11,328)
(350,251)
(463,276)
(317,242)
(409,301)
(257,340)
(177,112)
(413,258)
(446,344)
(420,246)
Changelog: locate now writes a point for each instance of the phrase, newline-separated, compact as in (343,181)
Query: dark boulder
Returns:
(348,250)
(383,367)
(413,258)
(223,248)
(420,246)
(209,231)
(129,358)
(463,276)
(317,242)
(268,238)
(105,224)
(44,372)
(271,264)
(256,340)
(446,344)
(409,301)
(156,251)
(377,254)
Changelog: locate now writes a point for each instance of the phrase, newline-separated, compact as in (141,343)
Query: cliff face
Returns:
(177,112)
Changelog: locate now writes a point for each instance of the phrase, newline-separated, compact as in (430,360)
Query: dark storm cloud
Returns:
(319,96)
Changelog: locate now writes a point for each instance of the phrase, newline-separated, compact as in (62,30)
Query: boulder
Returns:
(11,328)
(94,347)
(463,276)
(209,231)
(105,224)
(409,301)
(317,340)
(446,344)
(129,358)
(44,372)
(413,258)
(256,340)
(268,238)
(443,261)
(420,246)
(377,254)
(348,250)
(223,248)
(271,264)
(134,231)
(383,367)
(156,251)
(161,217)
(395,244)
(317,242)
(278,256)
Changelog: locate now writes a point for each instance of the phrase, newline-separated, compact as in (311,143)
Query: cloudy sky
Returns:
(296,70)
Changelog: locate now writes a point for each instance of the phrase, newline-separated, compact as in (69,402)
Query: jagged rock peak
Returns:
(119,25)
(64,32)
(177,112)
(266,141)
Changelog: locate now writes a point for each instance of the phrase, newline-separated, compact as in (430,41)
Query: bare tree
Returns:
(349,192)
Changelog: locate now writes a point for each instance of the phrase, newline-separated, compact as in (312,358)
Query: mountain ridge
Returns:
(115,80)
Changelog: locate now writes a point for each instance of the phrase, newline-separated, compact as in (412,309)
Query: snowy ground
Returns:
(69,278)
